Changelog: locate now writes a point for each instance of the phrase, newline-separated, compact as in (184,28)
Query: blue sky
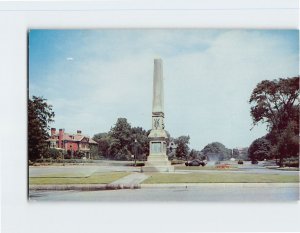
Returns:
(92,77)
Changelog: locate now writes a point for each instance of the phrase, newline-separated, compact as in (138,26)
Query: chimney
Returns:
(78,131)
(53,131)
(60,137)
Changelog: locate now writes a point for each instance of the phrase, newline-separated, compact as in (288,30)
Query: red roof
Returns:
(75,137)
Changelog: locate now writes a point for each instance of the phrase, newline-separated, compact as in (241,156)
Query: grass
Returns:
(161,178)
(96,178)
(204,168)
(63,175)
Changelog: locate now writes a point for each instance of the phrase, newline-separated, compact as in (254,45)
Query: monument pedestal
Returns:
(158,160)
(158,163)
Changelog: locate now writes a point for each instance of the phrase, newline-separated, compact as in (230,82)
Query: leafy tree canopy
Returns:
(40,115)
(216,150)
(122,141)
(276,103)
(182,146)
(260,149)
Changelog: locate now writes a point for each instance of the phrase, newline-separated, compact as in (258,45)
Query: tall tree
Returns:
(142,147)
(260,149)
(216,150)
(182,143)
(122,132)
(121,140)
(104,141)
(40,115)
(277,104)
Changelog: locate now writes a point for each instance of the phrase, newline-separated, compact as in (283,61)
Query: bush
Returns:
(138,164)
(291,164)
(240,162)
(177,161)
(44,160)
(79,154)
(53,153)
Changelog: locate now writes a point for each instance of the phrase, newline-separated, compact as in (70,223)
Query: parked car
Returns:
(195,162)
(254,161)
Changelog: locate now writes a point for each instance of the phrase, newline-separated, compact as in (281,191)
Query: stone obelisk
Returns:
(158,159)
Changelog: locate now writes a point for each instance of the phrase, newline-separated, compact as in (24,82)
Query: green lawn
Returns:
(96,178)
(204,168)
(161,178)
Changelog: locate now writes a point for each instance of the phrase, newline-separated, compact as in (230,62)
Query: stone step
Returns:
(157,163)
(157,159)
(152,157)
(157,169)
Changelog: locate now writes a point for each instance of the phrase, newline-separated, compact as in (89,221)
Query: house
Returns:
(74,144)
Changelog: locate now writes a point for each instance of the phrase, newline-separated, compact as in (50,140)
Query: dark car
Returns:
(195,162)
(254,161)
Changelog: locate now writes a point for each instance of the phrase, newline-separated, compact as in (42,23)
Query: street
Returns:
(212,192)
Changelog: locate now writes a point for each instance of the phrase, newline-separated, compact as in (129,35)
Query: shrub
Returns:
(177,161)
(44,160)
(53,153)
(138,164)
(291,164)
(240,162)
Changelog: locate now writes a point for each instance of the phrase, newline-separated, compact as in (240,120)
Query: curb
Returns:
(97,187)
(87,187)
(223,185)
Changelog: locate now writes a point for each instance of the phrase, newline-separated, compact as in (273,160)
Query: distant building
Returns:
(71,143)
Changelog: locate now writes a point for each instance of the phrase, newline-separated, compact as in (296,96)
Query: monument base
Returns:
(157,163)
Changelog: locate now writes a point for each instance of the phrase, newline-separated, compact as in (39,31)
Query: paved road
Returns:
(215,193)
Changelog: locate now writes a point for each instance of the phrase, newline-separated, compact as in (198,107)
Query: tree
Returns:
(94,151)
(194,154)
(104,142)
(40,115)
(141,135)
(52,153)
(216,151)
(277,104)
(235,153)
(182,146)
(260,149)
(287,143)
(122,132)
(121,140)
